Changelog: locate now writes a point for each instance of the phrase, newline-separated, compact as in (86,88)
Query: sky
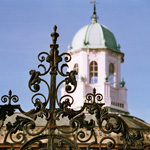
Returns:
(25,28)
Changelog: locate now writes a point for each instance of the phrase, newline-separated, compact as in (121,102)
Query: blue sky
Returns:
(24,32)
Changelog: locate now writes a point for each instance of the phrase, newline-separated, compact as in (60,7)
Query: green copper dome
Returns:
(94,36)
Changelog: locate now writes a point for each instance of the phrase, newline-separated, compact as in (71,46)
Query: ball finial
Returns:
(54,35)
(55,28)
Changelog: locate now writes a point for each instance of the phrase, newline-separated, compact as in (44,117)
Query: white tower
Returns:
(97,59)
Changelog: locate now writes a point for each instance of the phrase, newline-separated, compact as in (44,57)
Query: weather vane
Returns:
(93,2)
(94,17)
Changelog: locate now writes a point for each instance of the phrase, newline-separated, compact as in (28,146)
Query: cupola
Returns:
(95,36)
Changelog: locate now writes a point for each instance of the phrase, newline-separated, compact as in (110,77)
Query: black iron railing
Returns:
(78,130)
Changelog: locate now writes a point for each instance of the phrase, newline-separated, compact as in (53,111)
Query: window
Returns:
(76,68)
(117,104)
(93,72)
(111,74)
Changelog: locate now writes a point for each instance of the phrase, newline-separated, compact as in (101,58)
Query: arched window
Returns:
(76,68)
(111,74)
(93,72)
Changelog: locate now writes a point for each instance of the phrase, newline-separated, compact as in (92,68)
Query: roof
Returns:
(135,123)
(94,36)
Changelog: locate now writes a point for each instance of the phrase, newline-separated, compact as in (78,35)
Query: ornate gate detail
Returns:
(79,129)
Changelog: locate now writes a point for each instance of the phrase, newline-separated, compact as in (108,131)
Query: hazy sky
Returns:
(25,26)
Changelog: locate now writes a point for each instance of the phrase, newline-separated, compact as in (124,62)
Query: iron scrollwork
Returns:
(79,129)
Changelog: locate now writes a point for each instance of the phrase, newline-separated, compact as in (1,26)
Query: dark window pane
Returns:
(91,68)
(96,68)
